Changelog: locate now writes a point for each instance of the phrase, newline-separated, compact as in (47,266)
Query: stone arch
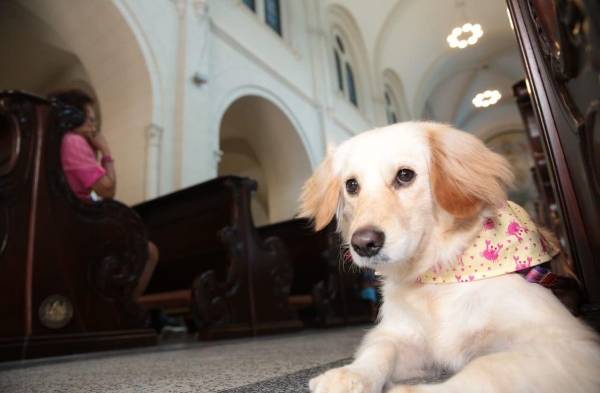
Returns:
(451,63)
(107,57)
(258,140)
(390,78)
(485,123)
(343,23)
(513,143)
(430,58)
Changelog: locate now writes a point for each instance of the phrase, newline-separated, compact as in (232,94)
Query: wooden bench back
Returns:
(67,267)
(186,225)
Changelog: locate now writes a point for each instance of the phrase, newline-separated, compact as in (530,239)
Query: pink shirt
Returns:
(80,165)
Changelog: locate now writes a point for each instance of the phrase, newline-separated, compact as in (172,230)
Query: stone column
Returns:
(194,144)
(153,154)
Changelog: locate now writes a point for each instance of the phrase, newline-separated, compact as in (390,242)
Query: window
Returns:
(339,43)
(338,69)
(250,4)
(391,109)
(273,15)
(351,89)
(344,73)
(267,10)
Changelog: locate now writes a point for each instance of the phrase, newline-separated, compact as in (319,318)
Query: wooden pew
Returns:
(67,267)
(560,48)
(213,261)
(325,290)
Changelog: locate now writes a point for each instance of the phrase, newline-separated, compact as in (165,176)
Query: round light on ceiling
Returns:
(487,98)
(465,35)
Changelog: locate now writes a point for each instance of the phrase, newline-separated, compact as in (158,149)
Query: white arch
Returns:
(280,158)
(158,112)
(255,90)
(107,40)
(342,21)
(390,77)
(452,62)
(501,117)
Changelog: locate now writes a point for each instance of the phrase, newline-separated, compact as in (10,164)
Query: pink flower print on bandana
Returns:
(507,243)
(491,252)
(515,229)
(489,224)
(520,265)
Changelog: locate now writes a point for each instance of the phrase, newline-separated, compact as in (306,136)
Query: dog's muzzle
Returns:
(367,241)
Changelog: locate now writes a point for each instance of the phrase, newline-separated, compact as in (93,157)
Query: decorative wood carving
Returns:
(52,244)
(559,41)
(319,273)
(240,282)
(210,307)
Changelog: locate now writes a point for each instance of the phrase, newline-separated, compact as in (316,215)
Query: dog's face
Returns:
(390,188)
(385,196)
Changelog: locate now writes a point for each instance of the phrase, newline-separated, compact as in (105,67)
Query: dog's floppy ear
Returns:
(320,195)
(465,175)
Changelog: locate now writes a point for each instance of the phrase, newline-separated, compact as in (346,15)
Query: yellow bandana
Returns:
(508,242)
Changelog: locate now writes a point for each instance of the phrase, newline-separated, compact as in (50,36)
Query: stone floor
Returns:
(268,364)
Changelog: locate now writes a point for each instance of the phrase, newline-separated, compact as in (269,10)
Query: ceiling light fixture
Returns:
(465,35)
(487,98)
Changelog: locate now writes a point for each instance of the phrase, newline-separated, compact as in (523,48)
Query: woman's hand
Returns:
(100,143)
(106,185)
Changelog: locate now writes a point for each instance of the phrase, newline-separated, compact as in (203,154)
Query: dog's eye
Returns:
(352,186)
(403,177)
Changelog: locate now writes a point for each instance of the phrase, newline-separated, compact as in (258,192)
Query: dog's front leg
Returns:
(551,368)
(375,364)
(367,374)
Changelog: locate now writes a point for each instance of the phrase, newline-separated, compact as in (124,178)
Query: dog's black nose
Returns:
(367,241)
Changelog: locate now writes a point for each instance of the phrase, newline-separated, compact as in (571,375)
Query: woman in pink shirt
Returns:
(80,148)
(89,177)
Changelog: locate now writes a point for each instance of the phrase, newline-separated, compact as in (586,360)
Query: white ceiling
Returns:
(409,37)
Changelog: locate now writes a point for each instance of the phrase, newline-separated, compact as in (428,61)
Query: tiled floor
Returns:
(191,367)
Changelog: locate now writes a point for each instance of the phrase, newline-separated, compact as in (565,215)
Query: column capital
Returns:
(200,8)
(179,7)
(154,134)
(218,154)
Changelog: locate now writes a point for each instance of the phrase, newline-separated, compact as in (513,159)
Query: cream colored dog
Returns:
(412,196)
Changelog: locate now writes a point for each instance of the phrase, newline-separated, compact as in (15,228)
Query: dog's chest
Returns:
(449,322)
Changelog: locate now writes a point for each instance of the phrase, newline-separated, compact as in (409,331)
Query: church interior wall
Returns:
(166,72)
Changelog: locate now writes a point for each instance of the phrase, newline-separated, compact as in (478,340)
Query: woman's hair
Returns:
(74,97)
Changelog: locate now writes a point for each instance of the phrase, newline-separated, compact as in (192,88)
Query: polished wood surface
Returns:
(325,289)
(67,267)
(240,282)
(560,47)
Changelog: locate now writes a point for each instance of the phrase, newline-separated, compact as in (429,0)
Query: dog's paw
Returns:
(341,380)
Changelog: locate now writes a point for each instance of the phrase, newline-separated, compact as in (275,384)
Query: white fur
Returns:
(496,335)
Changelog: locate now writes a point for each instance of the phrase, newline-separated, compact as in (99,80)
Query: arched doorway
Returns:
(514,145)
(259,141)
(61,44)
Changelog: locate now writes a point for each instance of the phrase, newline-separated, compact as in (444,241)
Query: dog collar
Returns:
(508,242)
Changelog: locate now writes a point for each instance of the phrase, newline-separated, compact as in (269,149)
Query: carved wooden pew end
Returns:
(239,282)
(323,292)
(68,268)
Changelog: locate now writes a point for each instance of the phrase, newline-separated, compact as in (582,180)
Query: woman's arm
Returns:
(106,186)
